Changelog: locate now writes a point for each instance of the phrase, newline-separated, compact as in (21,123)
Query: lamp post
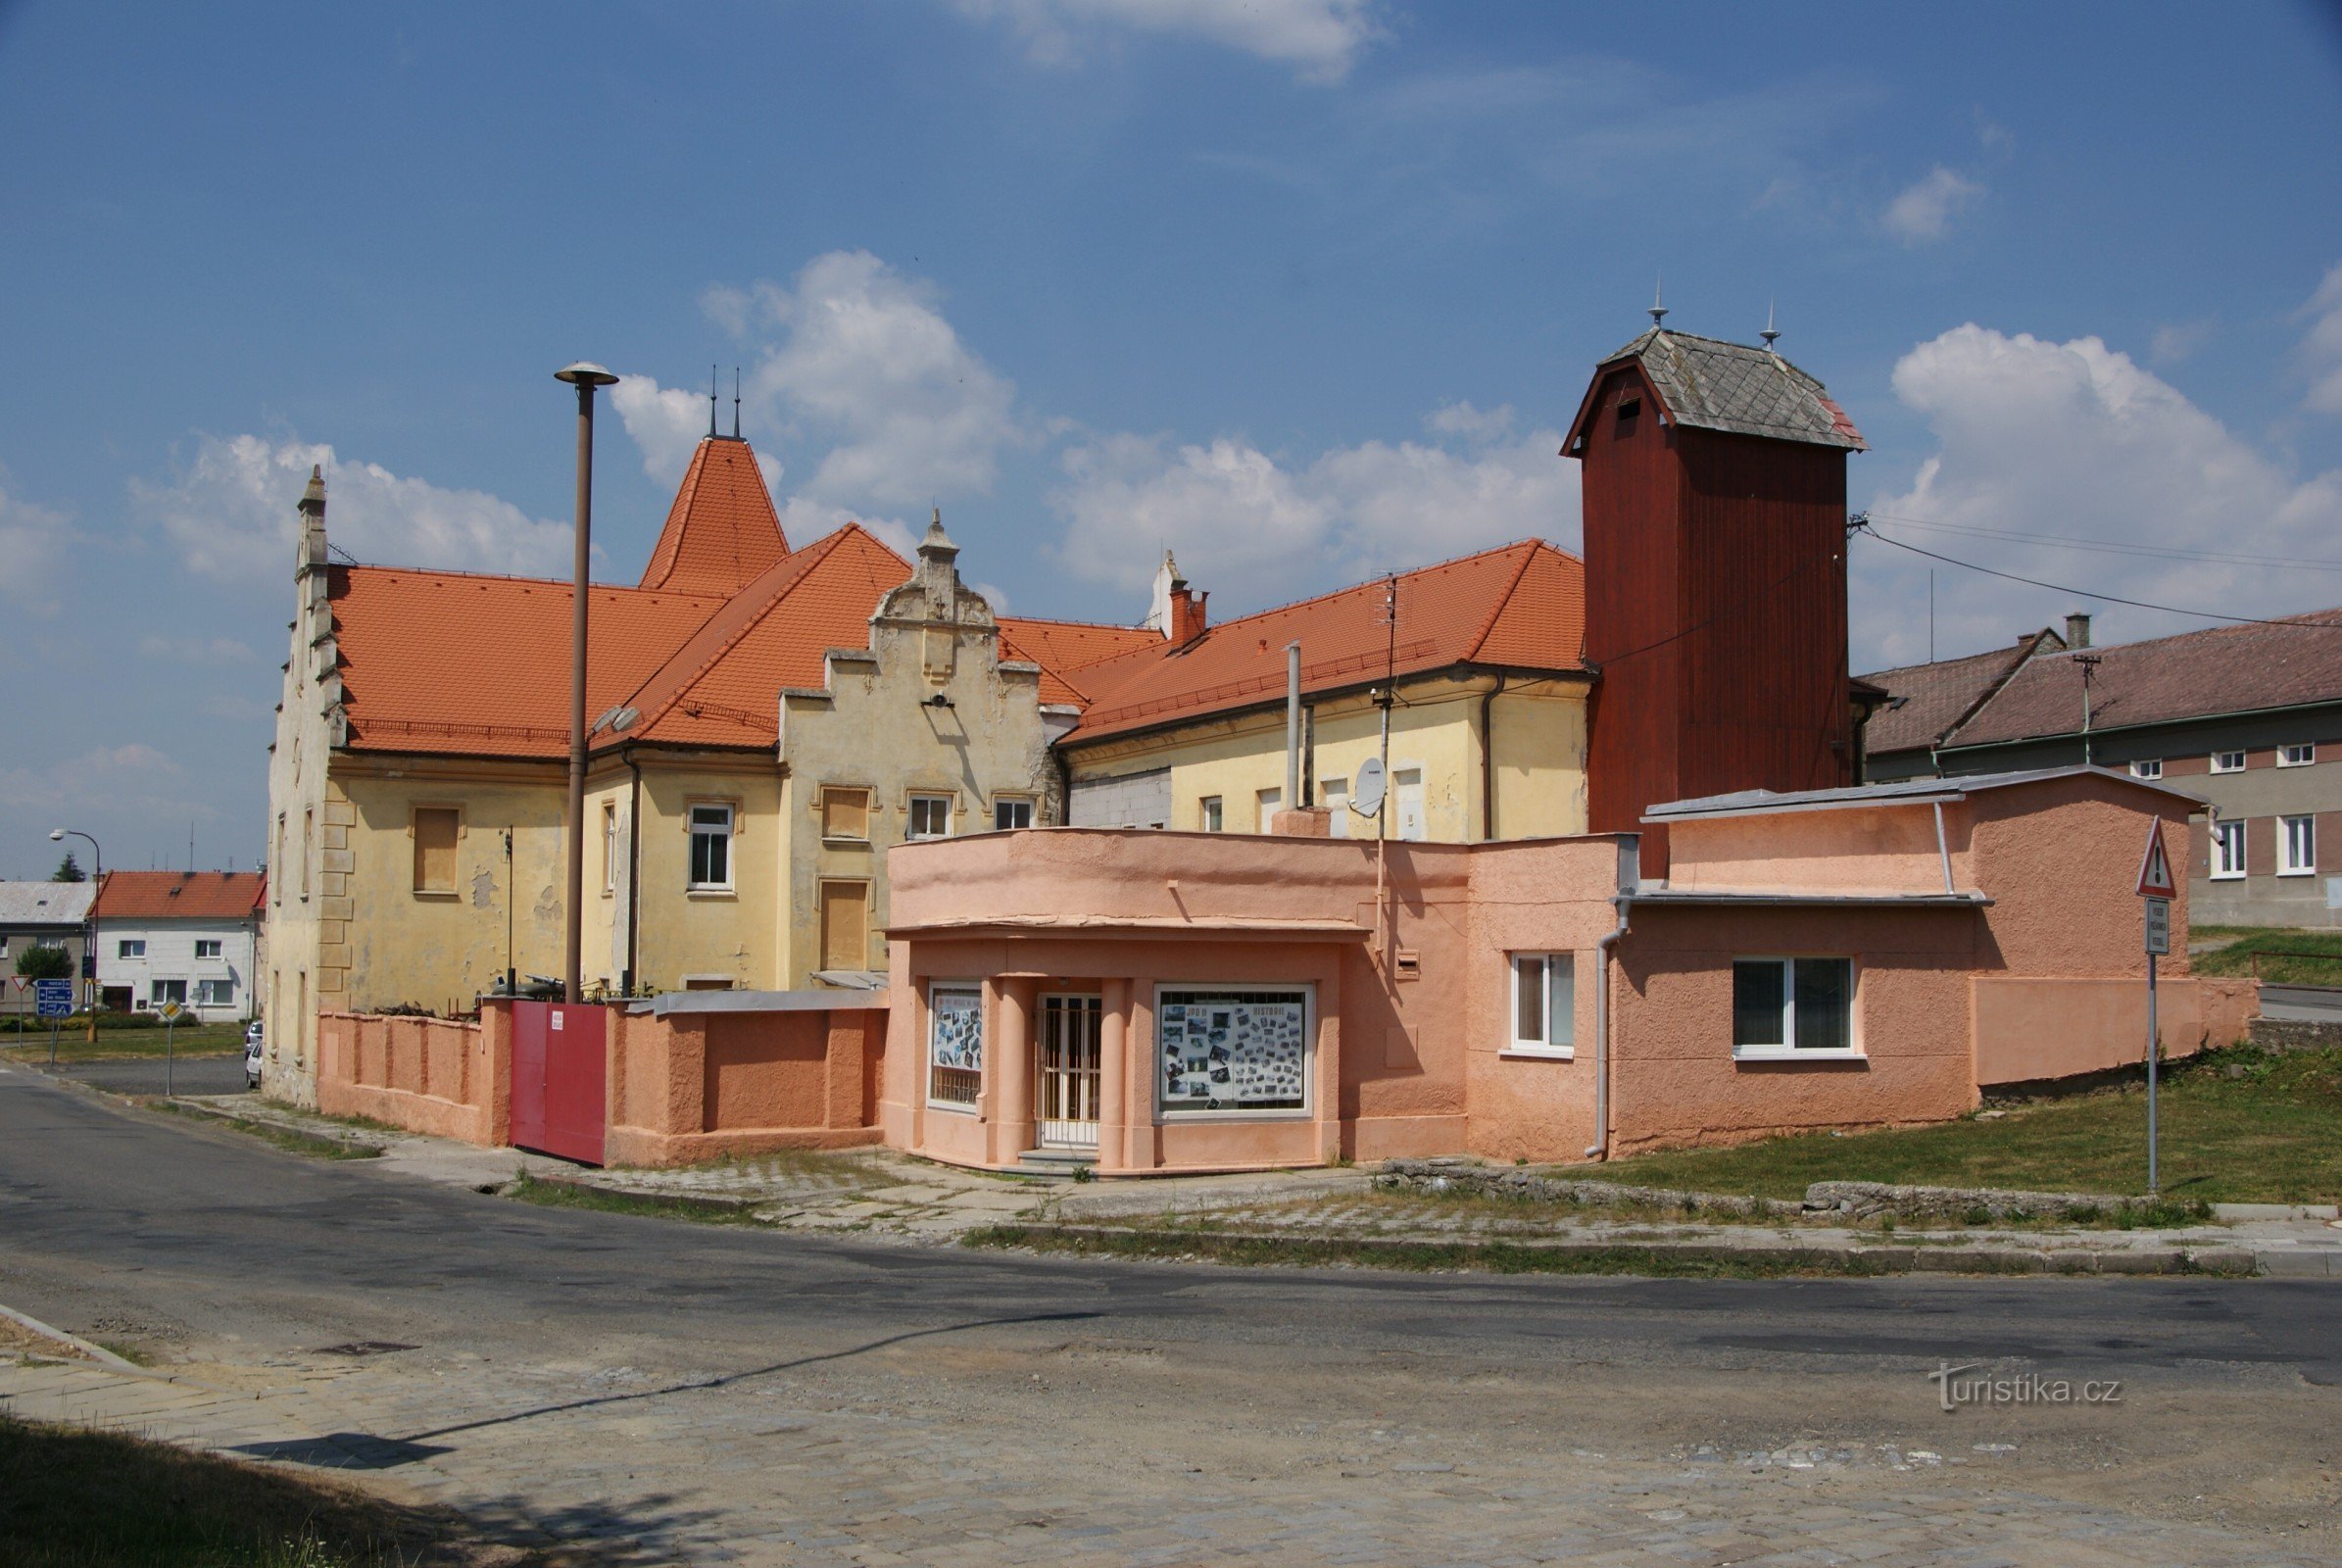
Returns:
(89,938)
(586,377)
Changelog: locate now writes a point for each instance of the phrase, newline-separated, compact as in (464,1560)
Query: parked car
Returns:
(251,1055)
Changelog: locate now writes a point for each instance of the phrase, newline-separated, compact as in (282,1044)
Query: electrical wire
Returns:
(2112,546)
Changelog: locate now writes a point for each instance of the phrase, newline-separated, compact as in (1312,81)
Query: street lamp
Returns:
(585,376)
(89,936)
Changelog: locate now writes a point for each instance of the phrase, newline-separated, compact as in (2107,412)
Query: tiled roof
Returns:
(1903,792)
(1927,701)
(721,532)
(2197,674)
(1522,606)
(179,895)
(1065,648)
(1714,385)
(45,903)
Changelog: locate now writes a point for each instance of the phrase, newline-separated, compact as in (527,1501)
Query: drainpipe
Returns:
(634,865)
(1309,755)
(1292,726)
(1629,850)
(1487,757)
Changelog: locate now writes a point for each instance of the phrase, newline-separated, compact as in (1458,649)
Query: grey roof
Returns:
(1927,701)
(1716,385)
(45,903)
(1906,792)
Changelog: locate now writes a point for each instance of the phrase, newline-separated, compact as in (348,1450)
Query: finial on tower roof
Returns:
(735,402)
(711,403)
(1771,332)
(313,498)
(1658,310)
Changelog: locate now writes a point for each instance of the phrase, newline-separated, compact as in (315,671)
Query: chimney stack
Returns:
(2077,630)
(1187,613)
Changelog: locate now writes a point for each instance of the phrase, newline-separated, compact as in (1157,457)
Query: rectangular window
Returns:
(1232,1050)
(1406,794)
(2228,761)
(1792,1007)
(2227,851)
(930,816)
(130,947)
(160,991)
(1266,803)
(214,993)
(308,834)
(1544,1004)
(712,848)
(276,866)
(1010,814)
(2297,846)
(846,814)
(846,925)
(1334,795)
(954,1046)
(2297,755)
(2147,768)
(207,947)
(435,828)
(609,847)
(1211,815)
(3,947)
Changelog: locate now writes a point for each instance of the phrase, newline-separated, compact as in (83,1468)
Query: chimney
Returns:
(2077,630)
(1187,613)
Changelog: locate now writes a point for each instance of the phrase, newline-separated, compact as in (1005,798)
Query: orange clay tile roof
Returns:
(1063,649)
(721,532)
(178,894)
(1519,606)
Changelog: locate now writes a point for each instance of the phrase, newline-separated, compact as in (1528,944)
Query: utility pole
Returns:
(586,377)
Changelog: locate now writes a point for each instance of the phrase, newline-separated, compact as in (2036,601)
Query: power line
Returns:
(2114,547)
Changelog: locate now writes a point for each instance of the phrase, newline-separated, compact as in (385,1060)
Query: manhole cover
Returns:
(364,1347)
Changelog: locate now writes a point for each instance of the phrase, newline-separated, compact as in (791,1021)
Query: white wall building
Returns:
(173,936)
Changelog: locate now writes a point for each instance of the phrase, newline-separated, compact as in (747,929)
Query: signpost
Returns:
(170,1011)
(2155,892)
(53,1000)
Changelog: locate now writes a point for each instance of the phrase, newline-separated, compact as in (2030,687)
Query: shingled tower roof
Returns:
(1710,384)
(722,532)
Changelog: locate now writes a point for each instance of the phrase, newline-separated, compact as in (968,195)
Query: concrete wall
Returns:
(693,1086)
(428,1075)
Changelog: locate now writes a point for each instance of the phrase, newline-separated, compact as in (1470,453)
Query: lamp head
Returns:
(585,372)
(56,835)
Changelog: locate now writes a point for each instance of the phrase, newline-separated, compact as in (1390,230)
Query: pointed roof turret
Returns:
(722,531)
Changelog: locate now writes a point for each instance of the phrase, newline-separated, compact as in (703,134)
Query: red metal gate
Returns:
(560,1068)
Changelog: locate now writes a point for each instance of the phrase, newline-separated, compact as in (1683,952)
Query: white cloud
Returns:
(1238,518)
(35,546)
(2321,349)
(2175,341)
(127,778)
(1322,37)
(1924,211)
(230,513)
(2075,440)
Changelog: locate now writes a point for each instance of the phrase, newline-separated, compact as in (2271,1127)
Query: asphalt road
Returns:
(195,1243)
(145,1075)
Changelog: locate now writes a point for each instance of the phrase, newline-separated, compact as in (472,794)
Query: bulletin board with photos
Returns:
(1232,1050)
(954,1044)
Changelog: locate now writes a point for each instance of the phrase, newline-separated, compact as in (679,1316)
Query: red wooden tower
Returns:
(1714,477)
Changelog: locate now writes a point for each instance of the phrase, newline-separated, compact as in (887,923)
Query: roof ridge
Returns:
(1357,587)
(1504,598)
(513,577)
(2305,620)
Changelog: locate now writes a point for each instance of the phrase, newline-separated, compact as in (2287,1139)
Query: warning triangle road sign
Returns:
(2155,866)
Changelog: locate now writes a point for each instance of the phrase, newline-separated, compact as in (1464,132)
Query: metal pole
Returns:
(1292,726)
(170,1027)
(2154,1049)
(572,927)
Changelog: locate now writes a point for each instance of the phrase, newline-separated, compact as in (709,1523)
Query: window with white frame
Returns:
(1544,1004)
(2147,768)
(130,947)
(2297,846)
(207,947)
(1266,803)
(3,945)
(160,991)
(2301,756)
(954,1046)
(712,848)
(1010,811)
(2228,761)
(2227,851)
(1334,794)
(610,848)
(214,993)
(1232,1051)
(1792,1007)
(1212,813)
(930,816)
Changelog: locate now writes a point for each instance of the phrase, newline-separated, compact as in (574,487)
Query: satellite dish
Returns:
(1368,788)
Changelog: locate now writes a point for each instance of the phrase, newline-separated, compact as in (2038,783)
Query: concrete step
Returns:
(1057,1162)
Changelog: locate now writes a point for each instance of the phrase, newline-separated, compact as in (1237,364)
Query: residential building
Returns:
(185,937)
(43,914)
(2247,718)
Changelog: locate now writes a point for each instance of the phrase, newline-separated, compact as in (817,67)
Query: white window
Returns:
(609,847)
(3,947)
(1213,815)
(2227,851)
(1544,1004)
(2147,768)
(1334,795)
(130,947)
(2297,846)
(2301,756)
(711,847)
(214,993)
(1406,791)
(954,1046)
(2228,761)
(207,947)
(1266,803)
(1792,1009)
(160,991)
(930,816)
(1010,814)
(1232,1051)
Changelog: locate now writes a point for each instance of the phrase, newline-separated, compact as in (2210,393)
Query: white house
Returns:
(176,935)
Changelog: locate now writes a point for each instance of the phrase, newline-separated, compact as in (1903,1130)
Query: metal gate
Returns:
(561,1066)
(1066,1100)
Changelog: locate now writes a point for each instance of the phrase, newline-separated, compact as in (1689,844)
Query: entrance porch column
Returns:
(1012,1056)
(1113,1077)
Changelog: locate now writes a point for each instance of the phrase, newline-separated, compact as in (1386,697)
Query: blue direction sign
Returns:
(53,999)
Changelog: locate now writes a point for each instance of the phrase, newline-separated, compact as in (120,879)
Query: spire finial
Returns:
(735,402)
(1771,332)
(1658,309)
(711,403)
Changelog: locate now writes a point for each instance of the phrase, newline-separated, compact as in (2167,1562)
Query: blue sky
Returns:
(1303,289)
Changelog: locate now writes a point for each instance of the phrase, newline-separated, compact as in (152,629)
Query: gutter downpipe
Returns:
(1487,757)
(1630,850)
(634,865)
(1293,725)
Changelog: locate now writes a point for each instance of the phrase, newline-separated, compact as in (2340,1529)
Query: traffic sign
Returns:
(2158,927)
(170,1011)
(53,999)
(2155,866)
(21,982)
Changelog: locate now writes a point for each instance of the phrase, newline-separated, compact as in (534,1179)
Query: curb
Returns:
(96,1352)
(185,1105)
(699,1200)
(2225,1261)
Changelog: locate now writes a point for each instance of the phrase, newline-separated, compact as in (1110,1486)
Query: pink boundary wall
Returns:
(428,1075)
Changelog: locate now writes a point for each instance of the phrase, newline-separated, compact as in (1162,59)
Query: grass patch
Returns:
(115,1044)
(602,1200)
(2271,1133)
(128,1351)
(2236,959)
(76,1499)
(284,1138)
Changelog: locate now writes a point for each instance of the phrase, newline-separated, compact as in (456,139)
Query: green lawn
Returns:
(2272,1135)
(2246,939)
(72,1041)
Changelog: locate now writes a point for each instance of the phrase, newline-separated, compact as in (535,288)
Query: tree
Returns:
(69,869)
(46,964)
